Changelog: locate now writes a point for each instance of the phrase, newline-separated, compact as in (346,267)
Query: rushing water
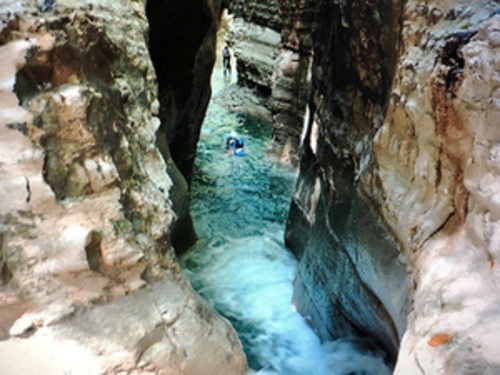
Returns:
(240,265)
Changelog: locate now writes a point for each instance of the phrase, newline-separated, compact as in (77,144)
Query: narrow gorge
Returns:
(357,236)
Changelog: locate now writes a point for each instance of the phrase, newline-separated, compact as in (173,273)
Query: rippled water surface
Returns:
(240,265)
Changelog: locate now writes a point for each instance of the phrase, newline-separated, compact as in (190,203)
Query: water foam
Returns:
(239,207)
(250,281)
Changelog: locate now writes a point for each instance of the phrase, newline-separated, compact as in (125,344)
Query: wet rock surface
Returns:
(349,280)
(88,271)
(393,211)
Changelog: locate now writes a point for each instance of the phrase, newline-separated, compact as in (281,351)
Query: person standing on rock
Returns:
(226,61)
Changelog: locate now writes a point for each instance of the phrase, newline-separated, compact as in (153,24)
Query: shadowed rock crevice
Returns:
(452,56)
(176,36)
(350,281)
(93,251)
(182,46)
(5,272)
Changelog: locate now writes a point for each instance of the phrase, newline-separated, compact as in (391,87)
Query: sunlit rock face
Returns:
(438,171)
(255,38)
(272,43)
(399,170)
(88,272)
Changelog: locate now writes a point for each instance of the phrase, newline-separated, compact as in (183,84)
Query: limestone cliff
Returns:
(272,43)
(399,162)
(88,272)
(435,160)
(255,38)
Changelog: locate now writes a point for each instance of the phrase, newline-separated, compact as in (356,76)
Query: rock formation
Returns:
(88,272)
(182,40)
(395,206)
(350,281)
(255,38)
(394,219)
(435,157)
(291,78)
(399,163)
(272,42)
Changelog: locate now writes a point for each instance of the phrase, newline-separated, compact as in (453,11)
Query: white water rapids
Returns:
(240,265)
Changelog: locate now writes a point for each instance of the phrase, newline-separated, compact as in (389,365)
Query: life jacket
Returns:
(230,142)
(239,152)
(239,143)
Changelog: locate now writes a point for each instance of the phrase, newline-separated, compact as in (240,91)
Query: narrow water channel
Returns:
(240,265)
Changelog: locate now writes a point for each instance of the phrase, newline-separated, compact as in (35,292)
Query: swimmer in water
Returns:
(235,145)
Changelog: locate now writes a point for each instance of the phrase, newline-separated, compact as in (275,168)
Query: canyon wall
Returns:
(291,78)
(434,163)
(255,39)
(339,58)
(88,201)
(349,280)
(272,43)
(182,39)
(395,207)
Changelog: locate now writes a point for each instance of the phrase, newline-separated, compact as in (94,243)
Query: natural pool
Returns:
(240,265)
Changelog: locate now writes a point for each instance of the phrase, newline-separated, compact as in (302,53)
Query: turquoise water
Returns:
(240,265)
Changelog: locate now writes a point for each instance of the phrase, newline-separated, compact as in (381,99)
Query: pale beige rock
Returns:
(89,283)
(256,48)
(436,155)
